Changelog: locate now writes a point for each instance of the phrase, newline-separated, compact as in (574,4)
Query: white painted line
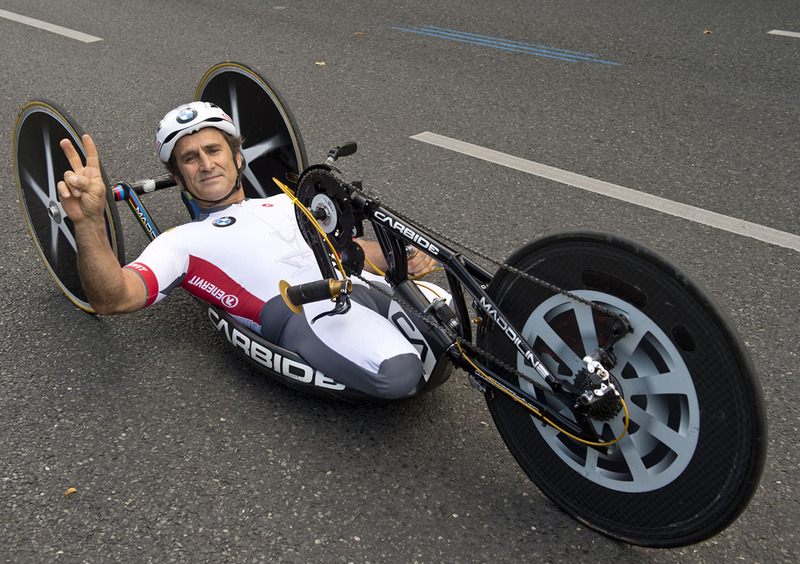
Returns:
(786,33)
(698,215)
(71,33)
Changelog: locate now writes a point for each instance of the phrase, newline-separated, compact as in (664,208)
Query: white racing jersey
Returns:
(235,256)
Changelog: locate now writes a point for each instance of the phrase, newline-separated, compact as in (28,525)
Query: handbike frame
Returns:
(463,275)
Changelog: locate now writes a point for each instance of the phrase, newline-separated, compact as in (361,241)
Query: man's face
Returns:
(205,161)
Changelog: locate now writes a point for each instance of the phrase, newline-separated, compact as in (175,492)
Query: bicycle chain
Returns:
(452,241)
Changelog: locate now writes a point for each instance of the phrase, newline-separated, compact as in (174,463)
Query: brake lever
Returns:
(342,307)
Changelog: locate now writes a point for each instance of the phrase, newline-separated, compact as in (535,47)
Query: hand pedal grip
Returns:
(328,289)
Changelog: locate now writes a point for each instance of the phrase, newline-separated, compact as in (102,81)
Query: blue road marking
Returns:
(505,44)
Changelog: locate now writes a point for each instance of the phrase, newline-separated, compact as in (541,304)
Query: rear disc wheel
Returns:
(694,449)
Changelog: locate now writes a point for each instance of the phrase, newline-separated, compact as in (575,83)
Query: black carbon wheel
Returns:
(39,164)
(273,147)
(695,448)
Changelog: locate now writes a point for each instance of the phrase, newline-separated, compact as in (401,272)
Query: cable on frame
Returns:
(543,417)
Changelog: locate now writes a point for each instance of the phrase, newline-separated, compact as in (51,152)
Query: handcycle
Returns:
(616,384)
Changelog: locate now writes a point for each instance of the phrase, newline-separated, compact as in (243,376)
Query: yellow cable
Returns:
(544,418)
(288,191)
(424,274)
(377,270)
(430,287)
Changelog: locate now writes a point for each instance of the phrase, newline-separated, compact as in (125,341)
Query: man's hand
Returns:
(420,263)
(109,288)
(82,192)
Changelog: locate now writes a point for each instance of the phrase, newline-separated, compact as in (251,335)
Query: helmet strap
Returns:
(236,187)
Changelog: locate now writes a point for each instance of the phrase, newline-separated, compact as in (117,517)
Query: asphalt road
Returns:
(178,451)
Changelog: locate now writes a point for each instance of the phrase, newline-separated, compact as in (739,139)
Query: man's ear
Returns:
(239,161)
(172,169)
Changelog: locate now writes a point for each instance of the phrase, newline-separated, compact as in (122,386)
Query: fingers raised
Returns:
(72,154)
(74,157)
(91,151)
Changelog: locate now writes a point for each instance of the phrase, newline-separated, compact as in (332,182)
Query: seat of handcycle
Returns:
(292,370)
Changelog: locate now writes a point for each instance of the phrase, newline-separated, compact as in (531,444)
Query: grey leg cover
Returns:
(397,375)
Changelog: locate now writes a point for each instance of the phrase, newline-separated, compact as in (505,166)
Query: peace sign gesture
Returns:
(82,192)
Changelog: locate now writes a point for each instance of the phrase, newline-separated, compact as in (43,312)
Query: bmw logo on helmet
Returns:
(186,115)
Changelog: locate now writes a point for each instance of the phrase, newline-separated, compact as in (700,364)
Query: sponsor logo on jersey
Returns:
(228,300)
(224,221)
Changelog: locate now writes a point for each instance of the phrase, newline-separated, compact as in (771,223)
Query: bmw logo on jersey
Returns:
(226,221)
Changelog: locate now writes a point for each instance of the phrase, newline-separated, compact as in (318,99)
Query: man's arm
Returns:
(109,288)
(418,263)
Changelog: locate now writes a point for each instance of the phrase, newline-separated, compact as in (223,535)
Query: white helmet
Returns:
(187,119)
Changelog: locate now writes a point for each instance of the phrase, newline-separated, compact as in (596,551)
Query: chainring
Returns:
(327,197)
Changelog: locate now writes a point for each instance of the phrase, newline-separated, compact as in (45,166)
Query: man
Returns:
(233,256)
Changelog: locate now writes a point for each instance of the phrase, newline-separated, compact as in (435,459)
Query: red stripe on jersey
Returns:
(150,280)
(209,283)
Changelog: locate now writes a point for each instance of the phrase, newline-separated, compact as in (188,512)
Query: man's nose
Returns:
(205,161)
